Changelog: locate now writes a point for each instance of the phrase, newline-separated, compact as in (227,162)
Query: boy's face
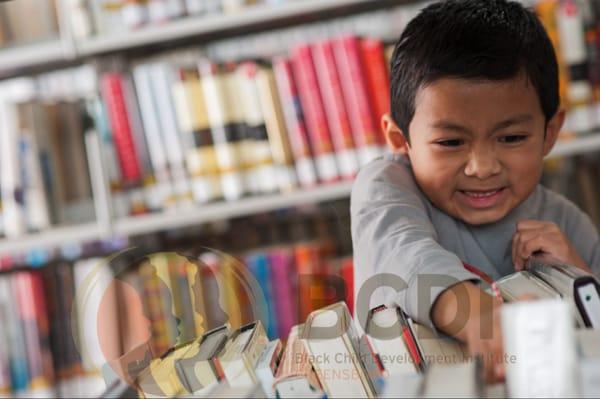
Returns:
(477,147)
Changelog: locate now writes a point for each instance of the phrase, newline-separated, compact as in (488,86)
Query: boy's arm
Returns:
(395,241)
(472,316)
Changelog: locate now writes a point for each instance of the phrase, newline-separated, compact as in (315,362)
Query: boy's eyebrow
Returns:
(448,125)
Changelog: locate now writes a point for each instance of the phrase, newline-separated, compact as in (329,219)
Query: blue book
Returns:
(258,264)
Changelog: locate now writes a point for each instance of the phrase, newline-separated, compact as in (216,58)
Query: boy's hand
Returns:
(533,236)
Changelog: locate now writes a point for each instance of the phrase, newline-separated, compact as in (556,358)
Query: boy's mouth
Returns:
(482,198)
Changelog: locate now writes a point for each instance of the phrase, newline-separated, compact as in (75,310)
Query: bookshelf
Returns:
(257,17)
(199,214)
(66,49)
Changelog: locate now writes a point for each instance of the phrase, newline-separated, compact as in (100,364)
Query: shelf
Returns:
(31,55)
(211,25)
(227,210)
(54,237)
(578,145)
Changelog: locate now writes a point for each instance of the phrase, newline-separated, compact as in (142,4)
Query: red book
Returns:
(309,268)
(337,118)
(356,96)
(314,113)
(114,97)
(294,120)
(347,272)
(29,292)
(378,78)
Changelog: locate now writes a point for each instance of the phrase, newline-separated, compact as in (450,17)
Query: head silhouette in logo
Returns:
(166,299)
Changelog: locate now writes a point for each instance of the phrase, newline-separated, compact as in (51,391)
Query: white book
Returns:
(36,205)
(335,356)
(539,342)
(195,7)
(266,366)
(135,14)
(162,81)
(152,131)
(460,380)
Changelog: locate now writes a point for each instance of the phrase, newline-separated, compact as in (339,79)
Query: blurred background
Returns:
(218,137)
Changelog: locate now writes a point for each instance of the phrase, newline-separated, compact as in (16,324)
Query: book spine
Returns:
(347,272)
(175,8)
(66,286)
(312,106)
(260,162)
(30,301)
(152,296)
(10,173)
(258,264)
(134,13)
(276,130)
(574,54)
(36,205)
(378,79)
(112,89)
(80,19)
(351,70)
(158,11)
(226,132)
(200,156)
(195,7)
(335,110)
(167,295)
(19,371)
(162,79)
(151,125)
(193,276)
(294,119)
(284,291)
(310,289)
(5,383)
(215,316)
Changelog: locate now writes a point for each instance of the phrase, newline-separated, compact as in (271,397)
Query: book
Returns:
(225,127)
(332,341)
(349,62)
(574,285)
(239,358)
(541,334)
(330,87)
(295,122)
(266,366)
(296,376)
(312,107)
(279,141)
(282,273)
(200,155)
(261,175)
(378,79)
(200,369)
(464,380)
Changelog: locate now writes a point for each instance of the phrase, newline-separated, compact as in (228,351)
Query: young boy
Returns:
(475,109)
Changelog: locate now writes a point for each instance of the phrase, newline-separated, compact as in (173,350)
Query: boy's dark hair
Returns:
(472,39)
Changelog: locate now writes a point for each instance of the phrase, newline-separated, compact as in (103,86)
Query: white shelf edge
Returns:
(33,54)
(53,237)
(578,145)
(206,24)
(225,210)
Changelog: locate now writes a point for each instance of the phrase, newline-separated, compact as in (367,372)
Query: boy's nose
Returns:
(482,164)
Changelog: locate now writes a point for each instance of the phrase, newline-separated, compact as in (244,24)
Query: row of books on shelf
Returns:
(107,17)
(174,133)
(27,21)
(65,319)
(327,356)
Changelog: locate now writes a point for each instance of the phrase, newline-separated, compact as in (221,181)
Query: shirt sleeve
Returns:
(393,236)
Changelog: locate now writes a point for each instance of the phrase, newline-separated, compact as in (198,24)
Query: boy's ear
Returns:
(394,137)
(553,129)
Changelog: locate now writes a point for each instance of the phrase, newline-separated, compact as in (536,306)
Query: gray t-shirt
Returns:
(398,232)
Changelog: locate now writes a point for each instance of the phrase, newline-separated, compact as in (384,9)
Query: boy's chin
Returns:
(480,218)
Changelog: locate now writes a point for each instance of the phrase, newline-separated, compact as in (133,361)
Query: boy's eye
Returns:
(450,143)
(513,138)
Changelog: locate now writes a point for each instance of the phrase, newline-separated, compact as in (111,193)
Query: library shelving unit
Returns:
(15,61)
